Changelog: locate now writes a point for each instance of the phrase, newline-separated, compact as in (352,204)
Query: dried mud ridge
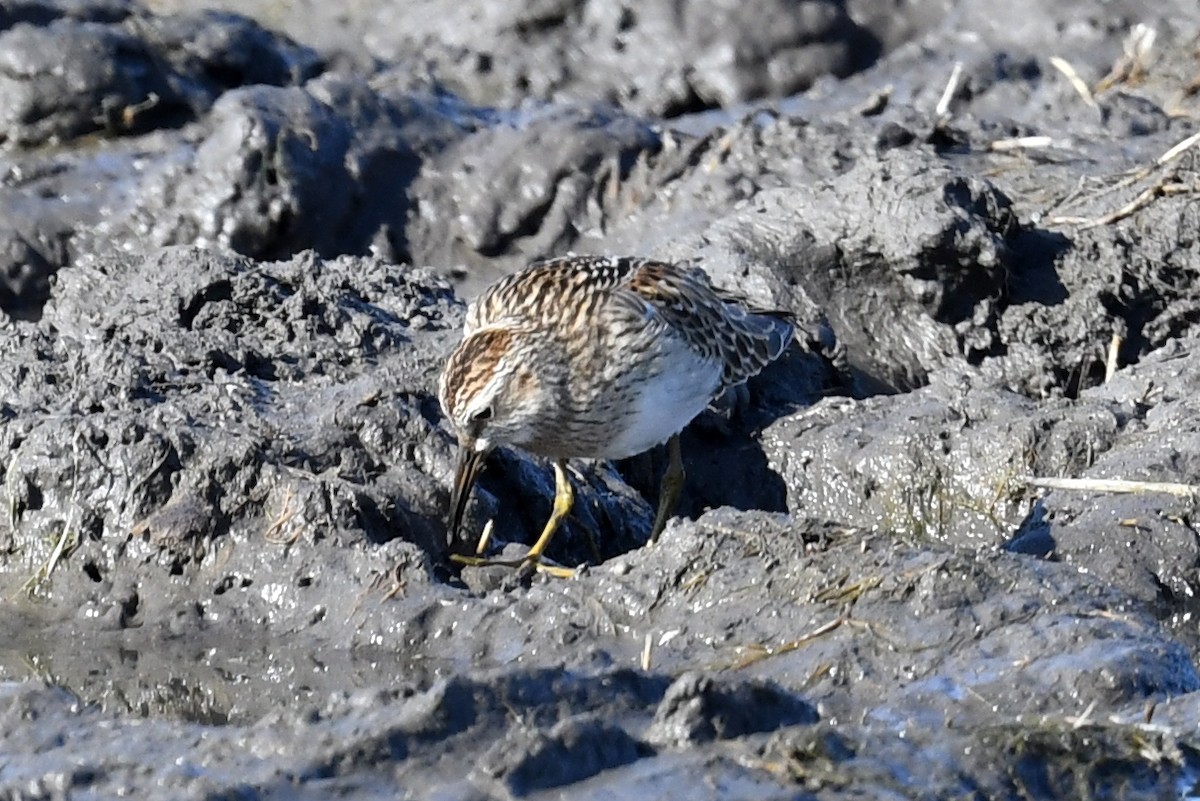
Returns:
(226,298)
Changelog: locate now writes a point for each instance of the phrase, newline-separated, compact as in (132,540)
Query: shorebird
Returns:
(595,357)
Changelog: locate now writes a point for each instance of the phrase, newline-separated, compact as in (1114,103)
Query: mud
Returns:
(233,262)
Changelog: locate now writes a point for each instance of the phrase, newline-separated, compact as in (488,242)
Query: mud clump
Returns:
(232,265)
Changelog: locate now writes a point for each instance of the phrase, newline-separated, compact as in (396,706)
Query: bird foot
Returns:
(530,561)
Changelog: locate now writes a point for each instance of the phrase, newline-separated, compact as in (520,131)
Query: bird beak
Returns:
(469,462)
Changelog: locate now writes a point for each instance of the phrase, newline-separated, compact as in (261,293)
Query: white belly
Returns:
(665,404)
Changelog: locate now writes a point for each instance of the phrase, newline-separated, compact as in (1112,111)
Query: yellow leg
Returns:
(564,497)
(670,489)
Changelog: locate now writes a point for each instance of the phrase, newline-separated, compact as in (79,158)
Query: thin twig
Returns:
(1131,66)
(837,593)
(399,585)
(1178,150)
(1077,83)
(63,546)
(1083,720)
(1020,143)
(1116,485)
(763,652)
(374,584)
(485,537)
(1111,364)
(943,105)
(10,481)
(286,513)
(1173,152)
(1163,187)
(68,538)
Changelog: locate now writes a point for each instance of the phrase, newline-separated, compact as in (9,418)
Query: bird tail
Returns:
(761,337)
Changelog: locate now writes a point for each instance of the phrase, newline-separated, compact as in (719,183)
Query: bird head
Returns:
(492,397)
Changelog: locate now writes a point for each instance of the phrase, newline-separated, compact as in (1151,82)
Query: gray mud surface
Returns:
(234,254)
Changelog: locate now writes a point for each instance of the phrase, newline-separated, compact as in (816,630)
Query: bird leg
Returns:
(564,498)
(670,489)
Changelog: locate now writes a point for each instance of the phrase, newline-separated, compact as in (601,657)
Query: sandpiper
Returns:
(596,357)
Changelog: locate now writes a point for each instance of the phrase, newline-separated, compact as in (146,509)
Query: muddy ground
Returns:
(232,262)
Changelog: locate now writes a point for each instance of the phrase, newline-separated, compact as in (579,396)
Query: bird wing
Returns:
(715,323)
(679,298)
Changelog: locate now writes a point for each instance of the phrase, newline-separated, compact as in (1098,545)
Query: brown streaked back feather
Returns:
(538,293)
(715,323)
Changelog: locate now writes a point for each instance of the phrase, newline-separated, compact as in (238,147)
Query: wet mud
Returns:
(943,548)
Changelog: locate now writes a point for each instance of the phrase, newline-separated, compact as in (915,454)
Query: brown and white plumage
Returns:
(597,357)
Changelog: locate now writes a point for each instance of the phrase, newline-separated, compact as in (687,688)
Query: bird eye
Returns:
(483,414)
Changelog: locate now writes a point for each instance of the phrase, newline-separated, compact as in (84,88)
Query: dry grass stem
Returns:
(1130,68)
(286,513)
(1077,83)
(763,652)
(485,538)
(943,104)
(1111,364)
(1020,143)
(847,593)
(1116,485)
(66,542)
(1165,186)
